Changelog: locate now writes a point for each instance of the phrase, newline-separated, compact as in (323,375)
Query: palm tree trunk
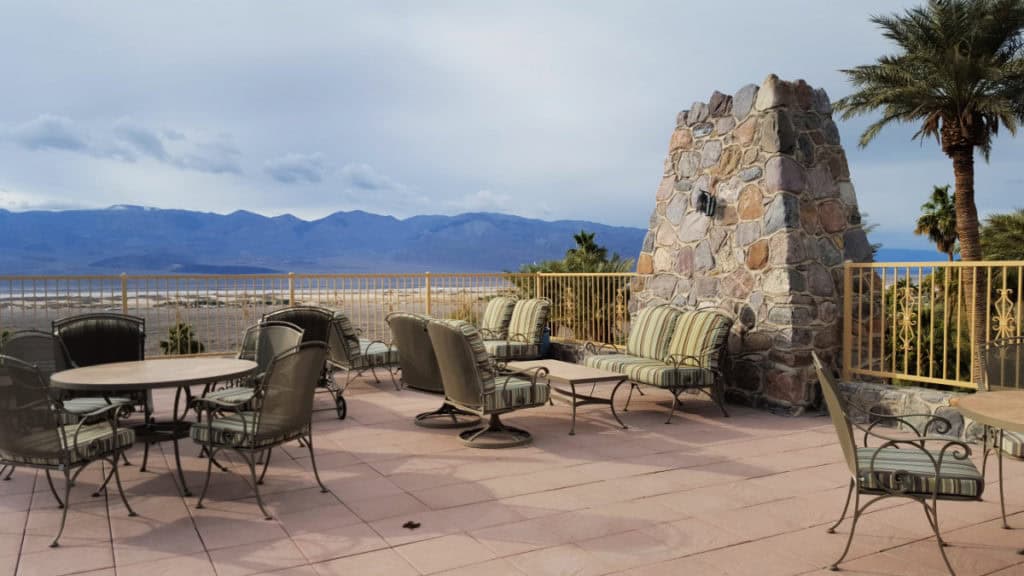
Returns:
(970,250)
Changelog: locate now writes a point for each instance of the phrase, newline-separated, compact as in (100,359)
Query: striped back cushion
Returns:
(345,335)
(484,363)
(702,334)
(650,331)
(497,316)
(528,320)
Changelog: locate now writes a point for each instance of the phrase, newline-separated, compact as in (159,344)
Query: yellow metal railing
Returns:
(914,322)
(217,309)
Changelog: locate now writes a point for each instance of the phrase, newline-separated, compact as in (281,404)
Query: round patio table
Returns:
(146,375)
(1001,410)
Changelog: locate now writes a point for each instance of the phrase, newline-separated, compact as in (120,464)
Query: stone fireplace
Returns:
(771,254)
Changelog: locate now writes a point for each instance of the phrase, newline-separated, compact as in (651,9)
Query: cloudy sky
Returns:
(548,109)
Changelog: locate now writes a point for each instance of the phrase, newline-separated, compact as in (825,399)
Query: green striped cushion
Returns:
(650,331)
(232,395)
(528,320)
(349,337)
(652,372)
(516,392)
(238,429)
(497,316)
(1013,444)
(700,334)
(93,441)
(958,478)
(484,362)
(505,350)
(375,353)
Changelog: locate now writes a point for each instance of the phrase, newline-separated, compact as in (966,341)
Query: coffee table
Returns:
(567,373)
(1002,410)
(180,373)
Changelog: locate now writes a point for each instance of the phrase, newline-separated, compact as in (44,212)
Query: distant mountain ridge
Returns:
(137,239)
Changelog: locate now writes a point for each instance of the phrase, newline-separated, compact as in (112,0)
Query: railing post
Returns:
(426,287)
(536,287)
(847,320)
(291,288)
(124,293)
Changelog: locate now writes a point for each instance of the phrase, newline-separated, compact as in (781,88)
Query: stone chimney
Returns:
(771,254)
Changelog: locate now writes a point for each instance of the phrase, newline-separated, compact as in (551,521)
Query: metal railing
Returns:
(913,322)
(216,309)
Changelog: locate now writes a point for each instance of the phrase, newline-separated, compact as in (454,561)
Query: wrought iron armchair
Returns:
(32,433)
(472,383)
(1004,370)
(282,412)
(421,372)
(260,343)
(356,355)
(524,334)
(497,316)
(900,467)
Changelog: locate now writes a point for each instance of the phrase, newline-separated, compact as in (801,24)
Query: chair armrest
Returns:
(113,412)
(533,374)
(590,347)
(940,424)
(684,361)
(213,404)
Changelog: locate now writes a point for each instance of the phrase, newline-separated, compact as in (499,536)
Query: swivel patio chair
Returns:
(282,412)
(356,355)
(317,326)
(32,434)
(496,318)
(261,343)
(421,372)
(472,383)
(901,467)
(525,332)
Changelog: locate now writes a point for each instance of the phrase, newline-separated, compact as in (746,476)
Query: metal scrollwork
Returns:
(907,317)
(1005,324)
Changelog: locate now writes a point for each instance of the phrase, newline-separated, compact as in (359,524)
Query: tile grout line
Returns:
(24,529)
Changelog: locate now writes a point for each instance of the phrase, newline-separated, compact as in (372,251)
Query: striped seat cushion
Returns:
(700,334)
(238,429)
(375,353)
(93,441)
(511,350)
(232,395)
(529,317)
(958,478)
(515,392)
(650,331)
(652,372)
(497,316)
(75,408)
(348,336)
(1013,444)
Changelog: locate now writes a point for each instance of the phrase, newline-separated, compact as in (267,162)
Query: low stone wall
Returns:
(888,399)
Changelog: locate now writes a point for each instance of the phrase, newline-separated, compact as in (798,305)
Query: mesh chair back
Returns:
(417,360)
(839,418)
(38,348)
(29,429)
(288,387)
(314,322)
(101,338)
(1004,363)
(268,339)
(458,364)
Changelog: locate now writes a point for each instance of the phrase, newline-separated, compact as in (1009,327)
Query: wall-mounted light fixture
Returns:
(706,203)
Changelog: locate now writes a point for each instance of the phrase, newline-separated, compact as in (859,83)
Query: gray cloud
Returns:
(144,140)
(296,168)
(48,132)
(367,178)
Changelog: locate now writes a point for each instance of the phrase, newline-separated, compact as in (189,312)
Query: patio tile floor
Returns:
(750,494)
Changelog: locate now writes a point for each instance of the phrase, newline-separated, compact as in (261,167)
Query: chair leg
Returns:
(629,396)
(1002,494)
(10,470)
(145,457)
(857,511)
(934,521)
(64,515)
(49,480)
(447,416)
(478,437)
(312,460)
(106,481)
(675,405)
(120,488)
(832,529)
(266,464)
(250,459)
(209,470)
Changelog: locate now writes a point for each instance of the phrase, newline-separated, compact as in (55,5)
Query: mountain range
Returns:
(138,239)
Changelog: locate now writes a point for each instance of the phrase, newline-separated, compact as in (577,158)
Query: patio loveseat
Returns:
(674,349)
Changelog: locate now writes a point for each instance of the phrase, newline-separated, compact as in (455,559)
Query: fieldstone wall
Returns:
(772,254)
(888,399)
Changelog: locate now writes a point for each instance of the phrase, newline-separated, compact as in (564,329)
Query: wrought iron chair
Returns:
(421,372)
(1004,370)
(496,318)
(525,332)
(317,325)
(282,412)
(356,355)
(900,467)
(261,343)
(472,383)
(32,434)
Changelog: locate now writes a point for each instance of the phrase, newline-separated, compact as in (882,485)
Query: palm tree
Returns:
(938,221)
(1003,236)
(959,74)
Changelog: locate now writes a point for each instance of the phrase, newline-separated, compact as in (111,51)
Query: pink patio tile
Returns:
(256,558)
(692,536)
(224,529)
(387,507)
(922,558)
(378,563)
(324,518)
(497,567)
(322,545)
(190,564)
(454,495)
(564,560)
(71,556)
(628,550)
(444,553)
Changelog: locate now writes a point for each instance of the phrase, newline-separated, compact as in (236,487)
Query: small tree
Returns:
(938,221)
(181,340)
(1002,236)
